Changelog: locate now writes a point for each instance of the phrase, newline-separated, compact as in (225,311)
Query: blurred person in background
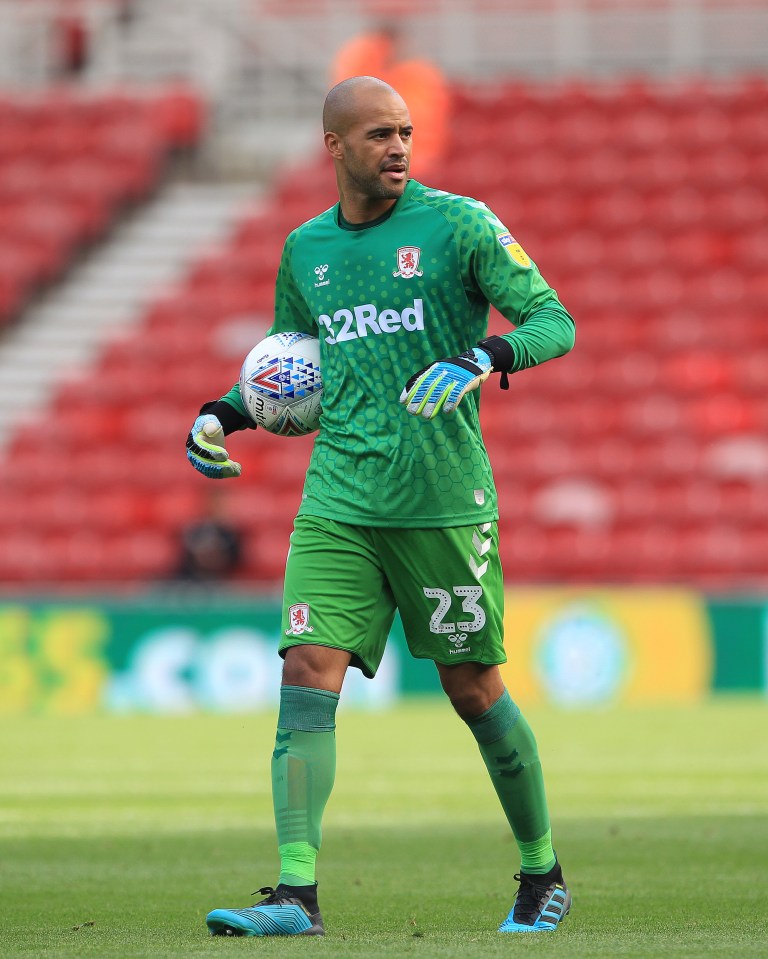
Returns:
(399,509)
(381,52)
(210,547)
(72,43)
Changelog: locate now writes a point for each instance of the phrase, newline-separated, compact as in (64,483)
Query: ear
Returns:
(333,145)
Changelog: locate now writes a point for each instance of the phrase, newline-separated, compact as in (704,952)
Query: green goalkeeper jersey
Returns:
(387,298)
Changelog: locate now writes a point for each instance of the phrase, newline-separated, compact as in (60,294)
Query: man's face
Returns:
(377,149)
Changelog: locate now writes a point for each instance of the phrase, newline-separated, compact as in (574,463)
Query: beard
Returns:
(371,184)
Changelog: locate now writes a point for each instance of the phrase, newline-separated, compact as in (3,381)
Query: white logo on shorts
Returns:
(481,547)
(458,640)
(298,616)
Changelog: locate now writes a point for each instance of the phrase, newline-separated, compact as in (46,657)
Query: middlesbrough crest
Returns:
(298,617)
(408,262)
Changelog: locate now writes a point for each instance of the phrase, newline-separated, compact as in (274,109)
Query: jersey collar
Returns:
(356,227)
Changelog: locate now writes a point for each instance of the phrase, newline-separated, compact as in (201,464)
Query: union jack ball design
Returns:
(281,384)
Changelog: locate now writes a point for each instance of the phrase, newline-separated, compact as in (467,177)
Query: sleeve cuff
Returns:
(502,353)
(231,419)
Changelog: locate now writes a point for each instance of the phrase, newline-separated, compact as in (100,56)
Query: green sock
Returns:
(303,771)
(508,748)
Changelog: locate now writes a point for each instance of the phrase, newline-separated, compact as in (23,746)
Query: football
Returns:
(281,385)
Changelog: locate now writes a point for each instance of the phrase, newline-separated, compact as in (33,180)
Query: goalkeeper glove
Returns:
(441,385)
(205,449)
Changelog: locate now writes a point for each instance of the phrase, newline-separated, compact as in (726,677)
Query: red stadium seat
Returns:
(698,371)
(178,113)
(721,413)
(13,295)
(662,169)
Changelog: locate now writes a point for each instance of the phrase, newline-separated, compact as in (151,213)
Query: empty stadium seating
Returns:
(642,457)
(70,165)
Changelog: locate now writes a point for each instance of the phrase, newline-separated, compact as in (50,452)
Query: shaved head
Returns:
(349,99)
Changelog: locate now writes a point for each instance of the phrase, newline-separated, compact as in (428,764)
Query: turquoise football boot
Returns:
(541,903)
(287,911)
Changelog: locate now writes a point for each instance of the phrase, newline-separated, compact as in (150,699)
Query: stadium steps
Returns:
(61,336)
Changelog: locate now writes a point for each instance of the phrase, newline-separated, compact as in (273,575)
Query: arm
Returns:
(508,279)
(547,333)
(499,270)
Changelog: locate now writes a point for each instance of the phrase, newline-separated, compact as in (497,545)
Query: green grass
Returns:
(117,835)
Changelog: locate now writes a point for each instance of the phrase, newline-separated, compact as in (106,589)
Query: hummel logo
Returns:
(320,272)
(281,750)
(481,548)
(481,545)
(507,761)
(458,640)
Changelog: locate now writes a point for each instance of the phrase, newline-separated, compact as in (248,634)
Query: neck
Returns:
(356,208)
(364,212)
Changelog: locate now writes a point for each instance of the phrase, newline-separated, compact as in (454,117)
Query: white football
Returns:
(281,385)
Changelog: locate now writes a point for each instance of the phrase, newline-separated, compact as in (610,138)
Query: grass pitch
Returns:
(117,835)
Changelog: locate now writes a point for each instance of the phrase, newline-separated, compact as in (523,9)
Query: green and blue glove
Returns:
(442,385)
(206,451)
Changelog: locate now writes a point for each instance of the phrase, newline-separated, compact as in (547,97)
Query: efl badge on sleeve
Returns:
(514,249)
(298,617)
(408,262)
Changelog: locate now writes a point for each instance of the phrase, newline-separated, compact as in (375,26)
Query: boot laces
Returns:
(529,899)
(273,898)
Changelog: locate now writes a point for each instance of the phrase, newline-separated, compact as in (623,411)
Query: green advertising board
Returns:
(170,654)
(179,652)
(740,629)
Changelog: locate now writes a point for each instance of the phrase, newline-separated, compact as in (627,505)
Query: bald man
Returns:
(399,510)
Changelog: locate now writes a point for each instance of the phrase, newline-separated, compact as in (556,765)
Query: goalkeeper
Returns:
(399,508)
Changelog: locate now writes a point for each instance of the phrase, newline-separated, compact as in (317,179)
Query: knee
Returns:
(472,691)
(316,667)
(469,703)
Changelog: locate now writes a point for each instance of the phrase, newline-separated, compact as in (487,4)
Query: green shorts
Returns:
(344,583)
